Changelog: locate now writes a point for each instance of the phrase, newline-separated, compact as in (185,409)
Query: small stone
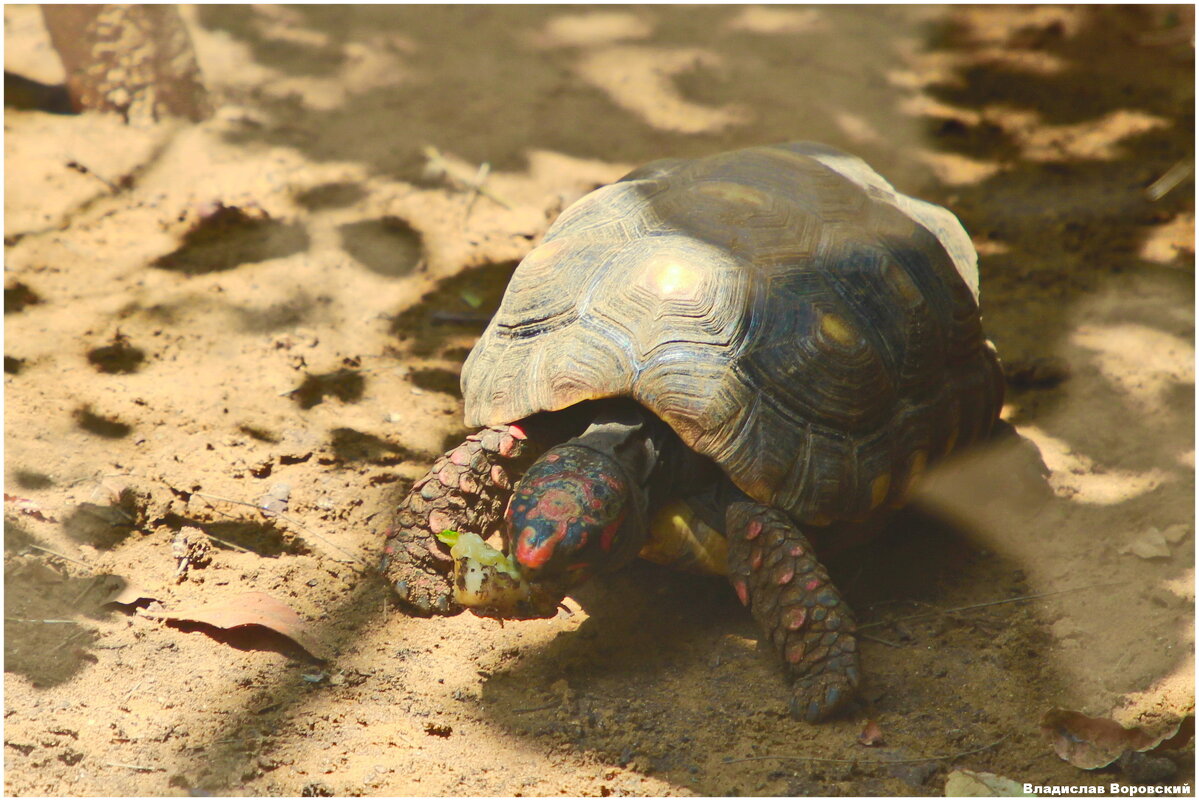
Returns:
(1176,533)
(1150,545)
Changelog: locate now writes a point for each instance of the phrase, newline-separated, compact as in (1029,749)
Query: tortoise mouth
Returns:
(537,606)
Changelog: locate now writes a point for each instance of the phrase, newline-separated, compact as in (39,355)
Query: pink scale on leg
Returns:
(795,617)
(742,591)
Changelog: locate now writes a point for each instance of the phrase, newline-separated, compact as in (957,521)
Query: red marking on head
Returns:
(787,574)
(813,584)
(596,503)
(534,555)
(796,550)
(795,617)
(556,506)
(517,432)
(755,559)
(607,535)
(753,530)
(742,592)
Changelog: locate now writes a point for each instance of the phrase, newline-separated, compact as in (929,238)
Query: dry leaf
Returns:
(249,609)
(871,734)
(975,784)
(1091,743)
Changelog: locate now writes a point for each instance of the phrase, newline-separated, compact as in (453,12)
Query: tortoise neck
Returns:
(625,435)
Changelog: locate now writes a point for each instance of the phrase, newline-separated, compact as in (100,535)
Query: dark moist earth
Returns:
(275,305)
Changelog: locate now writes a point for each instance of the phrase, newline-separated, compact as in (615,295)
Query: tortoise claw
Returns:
(822,696)
(421,585)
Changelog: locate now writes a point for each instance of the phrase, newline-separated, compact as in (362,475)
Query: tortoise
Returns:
(712,362)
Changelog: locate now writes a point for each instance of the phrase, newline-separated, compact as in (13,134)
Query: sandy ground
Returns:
(273,307)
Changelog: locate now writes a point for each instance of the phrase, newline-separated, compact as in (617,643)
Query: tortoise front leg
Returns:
(775,572)
(465,490)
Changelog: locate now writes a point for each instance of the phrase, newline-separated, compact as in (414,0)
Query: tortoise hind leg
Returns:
(465,490)
(775,572)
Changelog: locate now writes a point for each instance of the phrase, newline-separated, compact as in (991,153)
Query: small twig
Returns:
(226,543)
(145,768)
(286,519)
(476,188)
(935,758)
(59,555)
(91,585)
(536,708)
(459,317)
(439,166)
(1170,179)
(35,620)
(985,604)
(74,636)
(82,170)
(879,640)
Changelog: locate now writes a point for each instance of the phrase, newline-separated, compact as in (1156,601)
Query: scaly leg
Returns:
(465,490)
(774,571)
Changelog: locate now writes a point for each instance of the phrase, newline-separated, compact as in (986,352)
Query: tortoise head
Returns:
(568,515)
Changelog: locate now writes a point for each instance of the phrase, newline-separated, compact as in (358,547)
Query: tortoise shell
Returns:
(783,309)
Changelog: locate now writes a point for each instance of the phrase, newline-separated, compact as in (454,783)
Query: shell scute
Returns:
(788,313)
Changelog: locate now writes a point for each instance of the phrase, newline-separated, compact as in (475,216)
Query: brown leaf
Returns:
(248,609)
(1091,743)
(963,783)
(1179,737)
(28,507)
(871,734)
